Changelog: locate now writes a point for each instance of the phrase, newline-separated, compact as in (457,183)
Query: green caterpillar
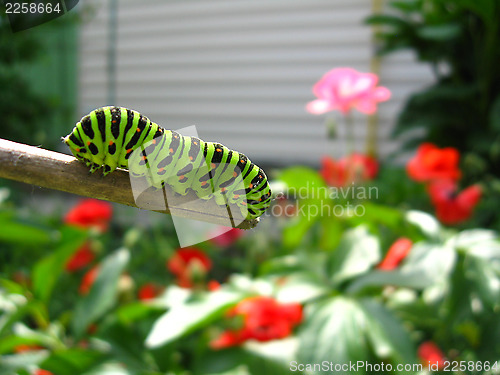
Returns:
(107,137)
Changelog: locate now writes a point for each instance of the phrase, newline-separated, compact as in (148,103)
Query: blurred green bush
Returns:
(38,80)
(459,40)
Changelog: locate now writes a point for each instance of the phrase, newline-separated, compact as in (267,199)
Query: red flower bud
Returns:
(396,253)
(81,258)
(90,213)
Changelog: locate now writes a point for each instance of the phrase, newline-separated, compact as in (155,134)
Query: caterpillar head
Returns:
(77,147)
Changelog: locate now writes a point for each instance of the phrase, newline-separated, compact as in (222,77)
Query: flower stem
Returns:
(349,124)
(371,137)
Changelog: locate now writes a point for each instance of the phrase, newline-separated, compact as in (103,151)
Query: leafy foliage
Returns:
(26,111)
(444,291)
(459,40)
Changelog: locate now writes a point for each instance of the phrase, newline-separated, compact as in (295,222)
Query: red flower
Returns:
(224,238)
(148,291)
(354,168)
(92,328)
(228,339)
(83,256)
(264,319)
(88,280)
(42,372)
(430,352)
(90,213)
(21,278)
(452,207)
(27,348)
(188,265)
(432,163)
(331,172)
(213,285)
(396,253)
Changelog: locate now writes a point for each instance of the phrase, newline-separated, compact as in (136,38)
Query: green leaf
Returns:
(386,20)
(47,271)
(231,361)
(271,358)
(382,278)
(479,242)
(357,252)
(485,279)
(331,232)
(344,331)
(135,311)
(388,216)
(103,294)
(333,332)
(13,308)
(114,367)
(281,265)
(385,332)
(302,181)
(485,9)
(439,33)
(495,115)
(126,345)
(309,189)
(12,364)
(407,6)
(72,361)
(301,287)
(441,109)
(426,265)
(22,234)
(428,224)
(25,335)
(186,318)
(11,287)
(295,231)
(378,214)
(9,343)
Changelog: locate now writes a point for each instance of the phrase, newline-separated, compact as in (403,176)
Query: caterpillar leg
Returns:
(94,167)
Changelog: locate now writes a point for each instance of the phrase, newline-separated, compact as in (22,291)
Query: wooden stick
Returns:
(48,169)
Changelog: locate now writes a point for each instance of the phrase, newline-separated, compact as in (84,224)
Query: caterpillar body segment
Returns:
(117,137)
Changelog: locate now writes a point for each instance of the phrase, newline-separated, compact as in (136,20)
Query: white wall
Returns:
(240,70)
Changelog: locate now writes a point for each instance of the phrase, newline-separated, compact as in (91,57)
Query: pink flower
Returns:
(343,89)
(453,207)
